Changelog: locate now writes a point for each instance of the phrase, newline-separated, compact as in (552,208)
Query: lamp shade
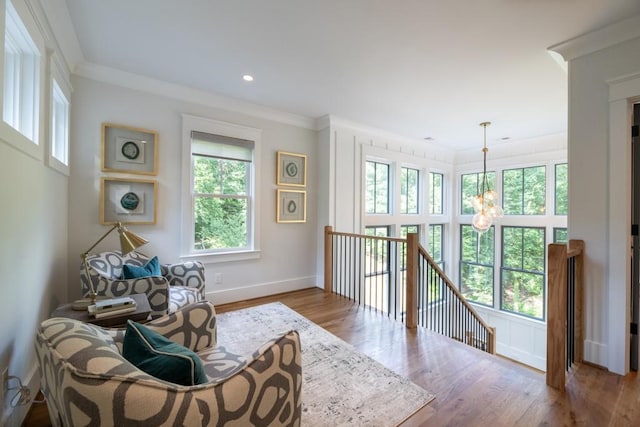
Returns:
(130,241)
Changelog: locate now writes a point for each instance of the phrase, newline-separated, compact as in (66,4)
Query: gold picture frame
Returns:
(129,201)
(291,206)
(129,150)
(291,169)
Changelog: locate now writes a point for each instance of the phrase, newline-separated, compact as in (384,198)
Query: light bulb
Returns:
(481,222)
(495,211)
(477,202)
(491,196)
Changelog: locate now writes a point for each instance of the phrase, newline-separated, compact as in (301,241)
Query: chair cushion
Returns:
(160,357)
(181,296)
(151,268)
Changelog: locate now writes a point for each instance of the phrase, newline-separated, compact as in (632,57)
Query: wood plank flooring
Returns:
(472,388)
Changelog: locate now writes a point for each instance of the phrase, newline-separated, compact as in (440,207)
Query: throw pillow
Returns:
(151,268)
(160,357)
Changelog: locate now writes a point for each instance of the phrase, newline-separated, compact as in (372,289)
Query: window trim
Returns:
(25,36)
(57,91)
(191,123)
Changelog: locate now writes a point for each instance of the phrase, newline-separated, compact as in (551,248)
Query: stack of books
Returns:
(112,307)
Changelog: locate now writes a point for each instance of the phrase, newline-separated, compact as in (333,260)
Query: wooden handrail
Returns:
(461,297)
(558,256)
(412,253)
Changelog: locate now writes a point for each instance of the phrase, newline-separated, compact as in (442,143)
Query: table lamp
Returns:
(128,242)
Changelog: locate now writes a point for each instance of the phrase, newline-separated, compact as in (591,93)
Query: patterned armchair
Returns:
(87,381)
(179,285)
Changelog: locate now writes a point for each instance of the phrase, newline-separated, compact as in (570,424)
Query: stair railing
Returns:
(399,278)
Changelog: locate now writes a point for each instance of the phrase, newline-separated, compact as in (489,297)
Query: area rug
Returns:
(341,386)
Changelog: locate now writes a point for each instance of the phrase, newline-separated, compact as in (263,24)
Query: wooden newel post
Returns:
(328,258)
(556,318)
(412,280)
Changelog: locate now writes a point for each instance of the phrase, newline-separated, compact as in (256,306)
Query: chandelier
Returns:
(485,203)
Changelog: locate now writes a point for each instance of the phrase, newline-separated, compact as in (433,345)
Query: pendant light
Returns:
(485,203)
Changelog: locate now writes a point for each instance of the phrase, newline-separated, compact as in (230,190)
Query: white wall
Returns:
(33,231)
(288,258)
(599,183)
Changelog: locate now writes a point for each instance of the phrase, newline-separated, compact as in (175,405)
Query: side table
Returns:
(142,313)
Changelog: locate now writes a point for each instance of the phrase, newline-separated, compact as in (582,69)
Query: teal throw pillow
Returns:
(160,357)
(151,268)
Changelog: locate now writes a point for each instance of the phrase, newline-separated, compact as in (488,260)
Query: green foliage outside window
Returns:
(377,188)
(524,191)
(409,191)
(560,235)
(562,193)
(477,264)
(435,195)
(472,186)
(220,203)
(523,264)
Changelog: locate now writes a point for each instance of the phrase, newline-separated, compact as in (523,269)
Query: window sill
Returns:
(213,258)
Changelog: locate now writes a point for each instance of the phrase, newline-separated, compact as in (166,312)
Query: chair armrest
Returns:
(155,287)
(193,326)
(189,273)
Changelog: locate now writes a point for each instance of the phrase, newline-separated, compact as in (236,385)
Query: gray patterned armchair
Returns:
(179,285)
(87,381)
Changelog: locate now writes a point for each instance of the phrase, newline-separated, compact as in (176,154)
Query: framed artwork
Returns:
(130,201)
(130,150)
(292,169)
(292,206)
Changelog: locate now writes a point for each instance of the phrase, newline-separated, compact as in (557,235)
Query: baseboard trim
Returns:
(225,296)
(596,353)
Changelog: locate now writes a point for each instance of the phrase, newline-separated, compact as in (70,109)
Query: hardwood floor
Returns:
(472,388)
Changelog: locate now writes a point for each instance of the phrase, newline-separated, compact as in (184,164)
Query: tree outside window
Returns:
(435,193)
(524,191)
(477,264)
(409,179)
(377,188)
(561,193)
(523,266)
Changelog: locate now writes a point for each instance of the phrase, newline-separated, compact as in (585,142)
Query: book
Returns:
(113,302)
(93,309)
(123,310)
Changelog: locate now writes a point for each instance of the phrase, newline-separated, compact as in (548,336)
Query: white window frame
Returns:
(22,82)
(193,123)
(58,153)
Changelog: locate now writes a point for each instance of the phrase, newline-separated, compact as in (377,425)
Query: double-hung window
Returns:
(220,200)
(21,88)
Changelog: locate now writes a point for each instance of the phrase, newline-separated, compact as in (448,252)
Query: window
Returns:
(21,77)
(406,229)
(523,268)
(377,198)
(221,191)
(409,190)
(436,243)
(435,193)
(59,125)
(377,268)
(561,193)
(219,188)
(471,184)
(477,264)
(560,235)
(524,191)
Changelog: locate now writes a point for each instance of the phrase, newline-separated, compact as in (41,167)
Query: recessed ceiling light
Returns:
(429,138)
(505,138)
(247,78)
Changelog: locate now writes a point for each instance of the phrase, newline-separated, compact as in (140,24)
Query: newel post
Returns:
(556,318)
(412,280)
(328,258)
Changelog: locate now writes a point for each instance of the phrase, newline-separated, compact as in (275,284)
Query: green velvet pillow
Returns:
(160,357)
(151,268)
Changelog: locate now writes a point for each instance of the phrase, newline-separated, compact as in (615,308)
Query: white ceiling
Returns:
(417,68)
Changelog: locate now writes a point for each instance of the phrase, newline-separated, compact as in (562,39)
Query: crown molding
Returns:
(171,90)
(602,38)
